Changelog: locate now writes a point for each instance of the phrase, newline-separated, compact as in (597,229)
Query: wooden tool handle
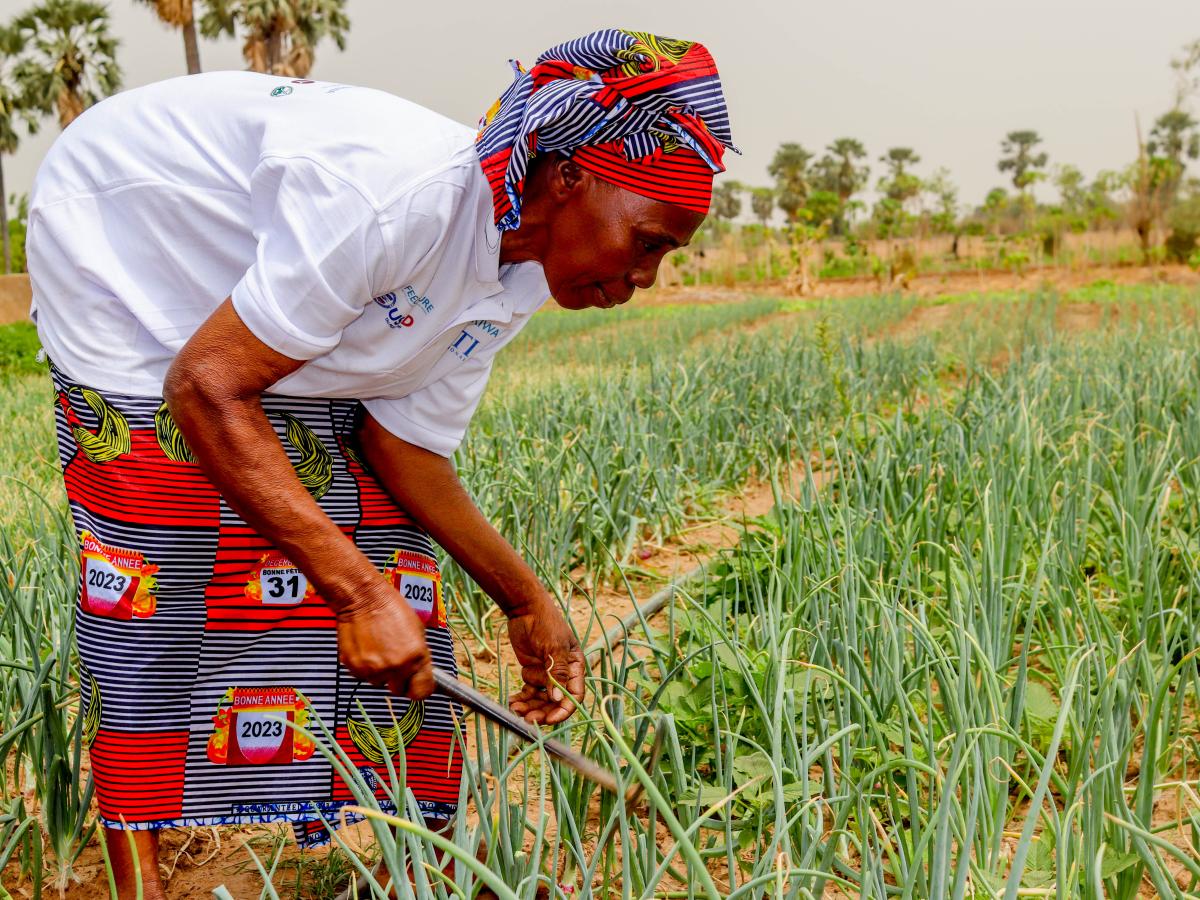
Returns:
(504,717)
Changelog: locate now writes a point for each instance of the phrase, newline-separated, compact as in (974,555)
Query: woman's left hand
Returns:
(551,661)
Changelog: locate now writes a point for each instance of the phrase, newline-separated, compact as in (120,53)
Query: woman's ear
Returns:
(565,177)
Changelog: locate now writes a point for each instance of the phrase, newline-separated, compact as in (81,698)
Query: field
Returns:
(942,643)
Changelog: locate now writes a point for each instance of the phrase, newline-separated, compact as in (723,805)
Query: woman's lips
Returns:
(605,301)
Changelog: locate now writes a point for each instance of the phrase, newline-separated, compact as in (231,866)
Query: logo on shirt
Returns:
(464,344)
(488,328)
(400,307)
(469,338)
(282,91)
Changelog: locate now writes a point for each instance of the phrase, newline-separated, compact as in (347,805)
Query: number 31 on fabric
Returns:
(419,581)
(276,581)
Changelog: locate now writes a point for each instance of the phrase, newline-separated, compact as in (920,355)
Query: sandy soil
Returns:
(14,298)
(939,284)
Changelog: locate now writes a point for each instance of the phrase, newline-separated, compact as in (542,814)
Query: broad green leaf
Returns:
(1116,861)
(1040,704)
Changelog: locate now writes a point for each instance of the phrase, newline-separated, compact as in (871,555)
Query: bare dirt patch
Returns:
(15,295)
(937,284)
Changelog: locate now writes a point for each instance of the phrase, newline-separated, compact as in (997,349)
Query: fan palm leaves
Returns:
(69,59)
(280,35)
(14,108)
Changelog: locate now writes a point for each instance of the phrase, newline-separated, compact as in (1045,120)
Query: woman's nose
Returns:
(644,276)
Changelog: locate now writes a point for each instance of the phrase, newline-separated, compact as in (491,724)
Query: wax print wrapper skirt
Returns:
(199,642)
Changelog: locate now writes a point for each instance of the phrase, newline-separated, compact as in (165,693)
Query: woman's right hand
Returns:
(382,641)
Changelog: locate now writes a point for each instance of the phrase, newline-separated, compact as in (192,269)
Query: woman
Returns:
(271,307)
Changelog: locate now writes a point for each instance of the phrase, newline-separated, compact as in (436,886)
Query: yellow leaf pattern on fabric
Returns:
(394,736)
(111,438)
(170,438)
(315,468)
(660,50)
(91,721)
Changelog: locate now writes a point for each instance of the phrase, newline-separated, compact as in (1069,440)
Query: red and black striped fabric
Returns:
(642,111)
(199,641)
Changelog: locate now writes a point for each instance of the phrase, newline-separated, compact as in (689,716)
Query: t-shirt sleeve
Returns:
(435,416)
(319,252)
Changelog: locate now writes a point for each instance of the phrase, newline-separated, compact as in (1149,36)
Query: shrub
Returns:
(1184,222)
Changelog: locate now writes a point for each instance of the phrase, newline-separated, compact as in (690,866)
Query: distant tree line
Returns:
(58,57)
(1154,195)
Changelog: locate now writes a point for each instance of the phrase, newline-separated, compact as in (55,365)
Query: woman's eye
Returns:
(649,246)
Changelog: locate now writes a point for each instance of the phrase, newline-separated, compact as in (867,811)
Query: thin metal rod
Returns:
(504,717)
(643,612)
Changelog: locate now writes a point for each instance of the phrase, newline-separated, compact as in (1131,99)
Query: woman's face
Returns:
(606,241)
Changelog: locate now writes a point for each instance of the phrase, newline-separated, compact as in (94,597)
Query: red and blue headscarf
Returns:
(641,111)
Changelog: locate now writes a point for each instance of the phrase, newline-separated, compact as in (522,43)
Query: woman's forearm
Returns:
(427,486)
(242,457)
(222,419)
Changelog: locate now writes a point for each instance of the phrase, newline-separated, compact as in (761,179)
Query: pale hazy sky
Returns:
(946,78)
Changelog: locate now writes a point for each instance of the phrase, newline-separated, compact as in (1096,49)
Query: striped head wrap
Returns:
(638,110)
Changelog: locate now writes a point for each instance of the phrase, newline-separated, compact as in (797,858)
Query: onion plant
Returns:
(963,665)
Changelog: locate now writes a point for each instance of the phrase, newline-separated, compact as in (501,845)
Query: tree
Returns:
(1101,207)
(1020,158)
(70,58)
(1175,135)
(727,200)
(1072,192)
(898,160)
(180,14)
(14,107)
(1151,182)
(280,35)
(1186,67)
(822,208)
(789,168)
(762,202)
(944,194)
(900,184)
(838,173)
(995,205)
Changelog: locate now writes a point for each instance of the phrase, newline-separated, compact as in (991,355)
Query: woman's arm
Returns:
(427,486)
(213,390)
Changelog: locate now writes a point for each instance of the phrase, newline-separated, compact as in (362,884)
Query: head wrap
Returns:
(635,109)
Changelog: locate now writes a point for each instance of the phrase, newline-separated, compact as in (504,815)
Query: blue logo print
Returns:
(282,91)
(396,316)
(464,345)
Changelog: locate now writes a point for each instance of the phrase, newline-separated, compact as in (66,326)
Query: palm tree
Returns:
(839,173)
(898,159)
(70,57)
(180,14)
(899,185)
(727,200)
(1020,158)
(13,107)
(762,201)
(789,168)
(280,35)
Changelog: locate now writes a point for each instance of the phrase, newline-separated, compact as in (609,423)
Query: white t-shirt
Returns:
(353,230)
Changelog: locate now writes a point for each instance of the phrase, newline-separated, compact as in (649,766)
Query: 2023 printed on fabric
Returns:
(198,640)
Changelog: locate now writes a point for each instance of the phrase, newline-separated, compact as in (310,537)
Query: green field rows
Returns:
(963,665)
